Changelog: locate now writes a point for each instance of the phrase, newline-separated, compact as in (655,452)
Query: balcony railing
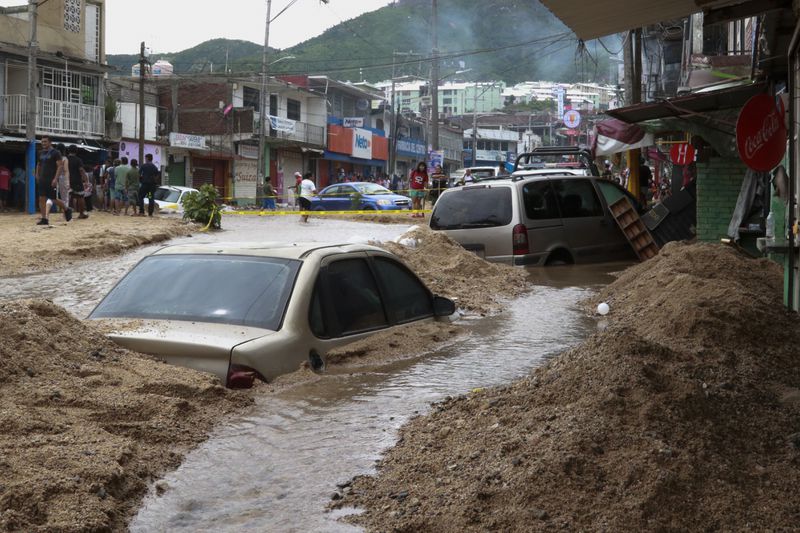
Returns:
(303,132)
(54,116)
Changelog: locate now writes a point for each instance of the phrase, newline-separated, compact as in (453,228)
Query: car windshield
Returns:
(225,289)
(481,174)
(372,188)
(167,195)
(473,207)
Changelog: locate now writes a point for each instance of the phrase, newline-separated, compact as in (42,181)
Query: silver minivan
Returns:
(546,219)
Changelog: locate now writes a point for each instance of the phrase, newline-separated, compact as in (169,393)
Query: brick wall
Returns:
(718,184)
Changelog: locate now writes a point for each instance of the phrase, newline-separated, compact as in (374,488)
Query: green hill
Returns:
(509,40)
(201,58)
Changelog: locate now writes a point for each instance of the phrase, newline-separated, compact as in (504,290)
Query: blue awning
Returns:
(333,156)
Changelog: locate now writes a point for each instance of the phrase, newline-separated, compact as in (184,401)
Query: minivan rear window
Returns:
(473,207)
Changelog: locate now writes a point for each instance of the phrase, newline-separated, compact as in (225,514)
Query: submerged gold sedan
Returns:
(247,311)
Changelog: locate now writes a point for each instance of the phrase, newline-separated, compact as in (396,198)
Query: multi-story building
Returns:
(455,98)
(70,71)
(212,124)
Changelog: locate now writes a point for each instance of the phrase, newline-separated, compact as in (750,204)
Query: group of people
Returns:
(125,185)
(62,180)
(12,188)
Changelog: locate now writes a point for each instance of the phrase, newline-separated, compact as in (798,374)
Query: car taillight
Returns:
(241,377)
(520,239)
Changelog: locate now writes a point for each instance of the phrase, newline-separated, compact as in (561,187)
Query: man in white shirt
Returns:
(307,190)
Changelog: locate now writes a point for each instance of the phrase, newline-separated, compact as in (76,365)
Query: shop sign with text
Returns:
(353,122)
(362,143)
(183,140)
(761,133)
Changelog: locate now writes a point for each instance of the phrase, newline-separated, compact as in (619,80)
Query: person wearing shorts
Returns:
(418,181)
(77,180)
(47,172)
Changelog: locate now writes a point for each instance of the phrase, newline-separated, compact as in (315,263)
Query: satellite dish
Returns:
(362,104)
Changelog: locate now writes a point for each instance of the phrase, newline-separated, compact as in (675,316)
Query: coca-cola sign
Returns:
(761,133)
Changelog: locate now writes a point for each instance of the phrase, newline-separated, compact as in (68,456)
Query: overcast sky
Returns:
(175,25)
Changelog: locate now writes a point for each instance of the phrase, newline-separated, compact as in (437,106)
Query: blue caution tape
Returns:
(326,213)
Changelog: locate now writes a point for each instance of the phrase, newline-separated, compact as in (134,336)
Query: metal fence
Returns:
(54,116)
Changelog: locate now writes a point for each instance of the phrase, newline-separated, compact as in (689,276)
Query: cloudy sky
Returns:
(174,25)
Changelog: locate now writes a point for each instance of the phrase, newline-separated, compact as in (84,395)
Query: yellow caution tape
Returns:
(326,213)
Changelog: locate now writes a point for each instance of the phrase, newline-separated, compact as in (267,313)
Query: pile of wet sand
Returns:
(450,270)
(684,414)
(26,247)
(86,424)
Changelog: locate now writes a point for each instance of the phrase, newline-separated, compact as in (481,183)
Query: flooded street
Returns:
(80,287)
(275,467)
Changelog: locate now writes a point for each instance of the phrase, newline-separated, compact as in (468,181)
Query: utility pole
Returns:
(142,66)
(475,126)
(435,80)
(30,115)
(262,119)
(633,83)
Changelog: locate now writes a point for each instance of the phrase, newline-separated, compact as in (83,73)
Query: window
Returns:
(316,318)
(540,200)
(251,98)
(93,23)
(504,146)
(482,145)
(406,298)
(72,15)
(354,297)
(71,87)
(292,109)
(473,207)
(273,105)
(248,291)
(577,198)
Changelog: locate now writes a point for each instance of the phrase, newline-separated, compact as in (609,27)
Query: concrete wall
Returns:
(52,35)
(718,184)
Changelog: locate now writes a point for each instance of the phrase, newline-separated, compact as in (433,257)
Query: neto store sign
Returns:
(362,143)
(761,133)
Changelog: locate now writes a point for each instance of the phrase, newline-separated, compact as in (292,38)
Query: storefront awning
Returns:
(333,156)
(693,104)
(590,20)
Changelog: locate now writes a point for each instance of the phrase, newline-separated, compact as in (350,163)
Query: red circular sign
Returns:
(761,133)
(682,154)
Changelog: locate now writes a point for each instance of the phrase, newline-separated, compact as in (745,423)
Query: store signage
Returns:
(130,150)
(435,157)
(572,119)
(560,92)
(353,122)
(761,133)
(417,148)
(362,144)
(682,154)
(249,151)
(182,140)
(283,125)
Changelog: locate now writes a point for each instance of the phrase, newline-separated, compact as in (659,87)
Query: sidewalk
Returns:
(26,247)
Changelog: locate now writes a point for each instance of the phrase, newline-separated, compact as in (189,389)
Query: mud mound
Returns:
(450,270)
(683,415)
(87,424)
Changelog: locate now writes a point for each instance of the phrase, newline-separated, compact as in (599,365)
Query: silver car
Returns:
(247,311)
(550,217)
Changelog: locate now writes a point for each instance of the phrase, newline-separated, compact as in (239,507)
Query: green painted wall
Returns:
(718,184)
(177,174)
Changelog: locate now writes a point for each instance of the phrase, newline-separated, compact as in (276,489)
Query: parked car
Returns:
(549,218)
(359,195)
(169,198)
(478,174)
(247,311)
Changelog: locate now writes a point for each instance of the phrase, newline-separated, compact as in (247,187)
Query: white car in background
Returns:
(169,198)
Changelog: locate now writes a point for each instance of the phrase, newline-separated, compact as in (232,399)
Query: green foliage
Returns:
(362,47)
(535,106)
(200,58)
(201,207)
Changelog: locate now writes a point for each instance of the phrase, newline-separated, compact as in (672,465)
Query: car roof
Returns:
(177,187)
(283,250)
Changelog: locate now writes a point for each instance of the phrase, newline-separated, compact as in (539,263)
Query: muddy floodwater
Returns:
(275,467)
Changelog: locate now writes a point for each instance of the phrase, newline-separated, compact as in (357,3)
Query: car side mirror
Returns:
(443,306)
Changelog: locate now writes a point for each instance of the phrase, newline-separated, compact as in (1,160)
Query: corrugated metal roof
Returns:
(590,20)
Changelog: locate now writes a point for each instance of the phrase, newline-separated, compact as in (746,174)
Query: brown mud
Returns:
(87,425)
(26,247)
(683,415)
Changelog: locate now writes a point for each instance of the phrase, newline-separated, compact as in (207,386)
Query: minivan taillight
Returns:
(240,377)
(520,239)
